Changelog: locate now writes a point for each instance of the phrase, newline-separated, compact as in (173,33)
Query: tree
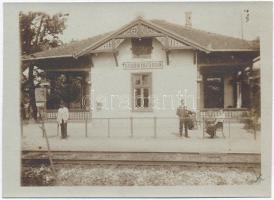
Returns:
(39,31)
(65,88)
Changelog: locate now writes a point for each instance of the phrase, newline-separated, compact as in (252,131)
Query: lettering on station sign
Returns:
(143,65)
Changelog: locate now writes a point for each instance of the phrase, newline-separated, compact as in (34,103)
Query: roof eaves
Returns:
(233,50)
(46,57)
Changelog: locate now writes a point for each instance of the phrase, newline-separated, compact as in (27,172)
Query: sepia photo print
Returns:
(142,94)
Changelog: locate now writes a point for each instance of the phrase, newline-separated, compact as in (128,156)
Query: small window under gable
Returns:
(141,47)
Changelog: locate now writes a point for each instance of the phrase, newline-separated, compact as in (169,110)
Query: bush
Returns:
(250,120)
(37,176)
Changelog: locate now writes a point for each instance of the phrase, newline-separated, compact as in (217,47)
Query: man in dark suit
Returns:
(184,118)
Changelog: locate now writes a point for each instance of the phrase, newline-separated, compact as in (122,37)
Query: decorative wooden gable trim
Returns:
(109,46)
(139,30)
(170,43)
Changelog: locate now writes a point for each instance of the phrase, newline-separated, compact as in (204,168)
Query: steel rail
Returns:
(32,158)
(57,162)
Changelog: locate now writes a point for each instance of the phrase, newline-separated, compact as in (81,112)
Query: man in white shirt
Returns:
(62,119)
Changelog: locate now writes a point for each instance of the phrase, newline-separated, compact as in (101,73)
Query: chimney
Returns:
(188,19)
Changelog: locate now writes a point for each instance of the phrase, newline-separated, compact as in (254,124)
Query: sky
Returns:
(90,19)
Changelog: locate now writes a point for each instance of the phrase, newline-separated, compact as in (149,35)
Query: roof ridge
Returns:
(196,29)
(199,38)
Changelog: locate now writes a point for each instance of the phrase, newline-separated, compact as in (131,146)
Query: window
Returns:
(141,88)
(141,47)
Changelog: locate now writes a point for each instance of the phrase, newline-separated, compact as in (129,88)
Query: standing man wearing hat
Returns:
(62,119)
(184,118)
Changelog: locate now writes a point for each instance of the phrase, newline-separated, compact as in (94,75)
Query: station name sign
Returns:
(143,65)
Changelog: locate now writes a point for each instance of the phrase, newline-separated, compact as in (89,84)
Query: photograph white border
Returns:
(11,130)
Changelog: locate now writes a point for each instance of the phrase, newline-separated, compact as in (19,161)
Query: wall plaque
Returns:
(143,65)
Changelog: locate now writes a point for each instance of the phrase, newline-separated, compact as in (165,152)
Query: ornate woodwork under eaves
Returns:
(109,46)
(138,31)
(172,44)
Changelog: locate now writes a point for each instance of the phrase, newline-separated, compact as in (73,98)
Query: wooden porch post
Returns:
(239,95)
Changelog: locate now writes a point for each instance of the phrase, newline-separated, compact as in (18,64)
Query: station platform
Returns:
(237,140)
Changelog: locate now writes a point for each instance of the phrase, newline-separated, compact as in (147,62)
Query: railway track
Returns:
(34,158)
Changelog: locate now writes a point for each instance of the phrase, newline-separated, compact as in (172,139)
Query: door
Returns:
(214,92)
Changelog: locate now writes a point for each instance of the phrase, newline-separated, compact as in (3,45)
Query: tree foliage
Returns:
(38,31)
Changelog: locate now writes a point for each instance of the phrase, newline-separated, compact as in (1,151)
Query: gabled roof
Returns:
(67,50)
(202,40)
(210,41)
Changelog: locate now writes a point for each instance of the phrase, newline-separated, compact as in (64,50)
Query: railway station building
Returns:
(147,66)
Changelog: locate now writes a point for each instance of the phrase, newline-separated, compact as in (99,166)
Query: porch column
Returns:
(239,95)
(88,91)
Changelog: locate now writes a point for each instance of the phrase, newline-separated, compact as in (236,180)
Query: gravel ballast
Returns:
(117,175)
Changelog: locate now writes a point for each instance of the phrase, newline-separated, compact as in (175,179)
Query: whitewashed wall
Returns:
(108,79)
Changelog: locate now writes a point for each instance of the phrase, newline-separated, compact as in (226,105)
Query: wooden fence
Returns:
(73,115)
(236,114)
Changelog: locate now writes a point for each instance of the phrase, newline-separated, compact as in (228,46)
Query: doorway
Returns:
(213,91)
